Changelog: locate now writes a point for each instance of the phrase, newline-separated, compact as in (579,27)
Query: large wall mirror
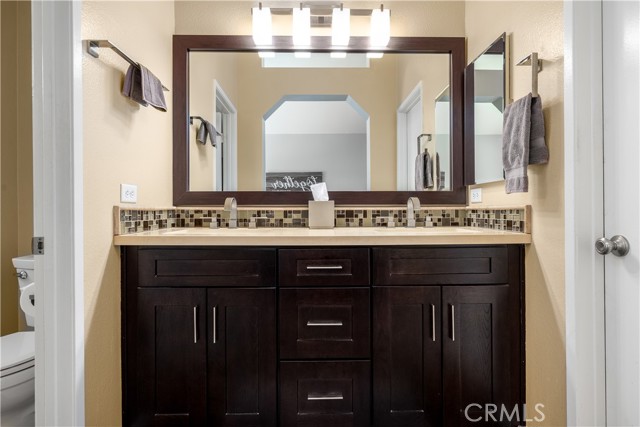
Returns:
(376,130)
(486,95)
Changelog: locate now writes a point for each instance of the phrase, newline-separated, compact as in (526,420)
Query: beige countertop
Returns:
(342,236)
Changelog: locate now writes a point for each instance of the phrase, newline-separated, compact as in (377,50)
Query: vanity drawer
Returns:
(324,323)
(325,394)
(440,265)
(206,267)
(326,266)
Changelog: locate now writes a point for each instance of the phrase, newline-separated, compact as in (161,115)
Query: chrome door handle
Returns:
(618,245)
(195,325)
(433,322)
(324,267)
(215,326)
(453,322)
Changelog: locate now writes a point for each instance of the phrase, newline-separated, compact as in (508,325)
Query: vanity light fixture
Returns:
(380,32)
(301,26)
(262,29)
(340,26)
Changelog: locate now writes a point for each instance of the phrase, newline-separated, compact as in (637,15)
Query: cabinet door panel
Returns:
(479,368)
(242,361)
(407,377)
(170,364)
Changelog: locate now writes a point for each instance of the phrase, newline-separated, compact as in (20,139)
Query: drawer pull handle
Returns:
(327,396)
(215,326)
(433,323)
(195,325)
(324,323)
(324,267)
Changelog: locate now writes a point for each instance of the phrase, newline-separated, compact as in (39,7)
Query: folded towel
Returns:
(523,130)
(428,170)
(152,92)
(144,88)
(538,152)
(419,172)
(207,129)
(132,87)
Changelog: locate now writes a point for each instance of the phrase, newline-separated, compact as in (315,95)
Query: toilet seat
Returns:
(17,352)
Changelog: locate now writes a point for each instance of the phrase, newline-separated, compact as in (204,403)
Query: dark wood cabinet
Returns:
(445,353)
(167,378)
(196,356)
(407,375)
(385,336)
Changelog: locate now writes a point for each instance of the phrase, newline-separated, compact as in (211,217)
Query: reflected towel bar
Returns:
(530,60)
(94,45)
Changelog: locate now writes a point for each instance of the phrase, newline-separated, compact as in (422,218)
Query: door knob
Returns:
(618,245)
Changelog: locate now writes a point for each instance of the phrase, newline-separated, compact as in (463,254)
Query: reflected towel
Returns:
(419,172)
(207,129)
(428,170)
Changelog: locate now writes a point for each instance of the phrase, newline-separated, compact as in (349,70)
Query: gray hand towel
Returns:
(152,92)
(132,87)
(538,152)
(419,172)
(207,129)
(516,133)
(428,170)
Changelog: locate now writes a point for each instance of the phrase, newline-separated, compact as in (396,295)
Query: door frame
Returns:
(58,211)
(230,146)
(402,151)
(584,214)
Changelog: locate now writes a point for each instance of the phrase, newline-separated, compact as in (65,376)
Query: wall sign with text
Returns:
(291,181)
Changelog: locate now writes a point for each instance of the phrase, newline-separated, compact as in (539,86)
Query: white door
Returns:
(414,129)
(621,105)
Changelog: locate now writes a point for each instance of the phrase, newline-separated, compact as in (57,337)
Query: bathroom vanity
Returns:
(303,333)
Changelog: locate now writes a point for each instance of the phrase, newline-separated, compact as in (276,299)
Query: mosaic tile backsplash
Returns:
(129,221)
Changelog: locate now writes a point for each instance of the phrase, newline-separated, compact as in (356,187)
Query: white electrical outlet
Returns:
(476,195)
(128,193)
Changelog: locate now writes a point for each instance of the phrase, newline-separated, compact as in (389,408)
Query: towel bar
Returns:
(94,45)
(530,60)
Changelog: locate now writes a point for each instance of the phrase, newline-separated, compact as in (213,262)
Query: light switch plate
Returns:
(476,195)
(128,193)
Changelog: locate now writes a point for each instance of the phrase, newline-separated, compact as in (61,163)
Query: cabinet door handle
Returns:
(326,396)
(215,324)
(195,324)
(453,322)
(324,323)
(433,323)
(324,267)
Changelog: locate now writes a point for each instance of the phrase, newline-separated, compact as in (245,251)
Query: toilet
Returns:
(17,379)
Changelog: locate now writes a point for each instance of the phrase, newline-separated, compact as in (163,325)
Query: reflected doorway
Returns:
(316,138)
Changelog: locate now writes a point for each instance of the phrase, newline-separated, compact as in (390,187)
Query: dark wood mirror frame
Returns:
(183,44)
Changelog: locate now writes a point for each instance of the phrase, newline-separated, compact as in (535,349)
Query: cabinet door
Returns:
(407,376)
(242,357)
(170,358)
(480,348)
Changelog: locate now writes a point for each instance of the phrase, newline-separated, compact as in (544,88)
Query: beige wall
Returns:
(16,223)
(536,26)
(204,68)
(123,143)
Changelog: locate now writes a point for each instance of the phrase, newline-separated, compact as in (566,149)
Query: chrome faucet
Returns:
(413,206)
(231,206)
